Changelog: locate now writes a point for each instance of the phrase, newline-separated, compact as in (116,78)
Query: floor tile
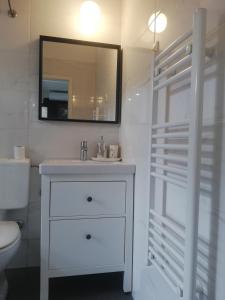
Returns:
(24,285)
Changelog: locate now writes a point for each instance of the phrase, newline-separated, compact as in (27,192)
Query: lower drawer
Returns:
(86,243)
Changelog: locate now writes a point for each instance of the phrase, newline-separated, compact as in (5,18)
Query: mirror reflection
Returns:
(80,82)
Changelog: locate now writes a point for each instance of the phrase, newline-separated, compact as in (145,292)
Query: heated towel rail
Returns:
(175,159)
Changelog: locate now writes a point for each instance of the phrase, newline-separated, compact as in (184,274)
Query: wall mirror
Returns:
(79,81)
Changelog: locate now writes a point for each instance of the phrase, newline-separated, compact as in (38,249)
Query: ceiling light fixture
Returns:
(90,15)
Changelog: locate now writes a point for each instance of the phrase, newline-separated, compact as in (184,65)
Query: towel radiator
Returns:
(175,159)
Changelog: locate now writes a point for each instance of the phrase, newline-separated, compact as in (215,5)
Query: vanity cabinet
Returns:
(86,220)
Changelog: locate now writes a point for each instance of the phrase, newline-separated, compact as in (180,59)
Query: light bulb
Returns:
(100,100)
(74,99)
(90,14)
(157,22)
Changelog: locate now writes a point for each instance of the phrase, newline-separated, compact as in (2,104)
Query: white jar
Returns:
(113,151)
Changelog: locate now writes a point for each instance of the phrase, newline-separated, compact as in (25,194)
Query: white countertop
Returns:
(51,167)
(14,161)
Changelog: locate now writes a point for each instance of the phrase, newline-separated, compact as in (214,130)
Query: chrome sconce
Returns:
(11,12)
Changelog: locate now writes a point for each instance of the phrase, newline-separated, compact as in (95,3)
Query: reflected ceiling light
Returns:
(100,100)
(157,22)
(90,15)
(74,99)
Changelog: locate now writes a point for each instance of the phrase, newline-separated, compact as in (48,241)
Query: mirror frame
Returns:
(44,38)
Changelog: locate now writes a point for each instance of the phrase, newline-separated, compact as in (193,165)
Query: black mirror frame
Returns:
(44,38)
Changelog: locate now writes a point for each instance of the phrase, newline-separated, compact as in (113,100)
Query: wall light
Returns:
(11,12)
(157,22)
(90,15)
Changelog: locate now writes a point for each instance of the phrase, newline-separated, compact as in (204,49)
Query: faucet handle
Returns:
(83,150)
(83,144)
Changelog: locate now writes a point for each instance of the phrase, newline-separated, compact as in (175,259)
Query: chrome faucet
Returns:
(83,150)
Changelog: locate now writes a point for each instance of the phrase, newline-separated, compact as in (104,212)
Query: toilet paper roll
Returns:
(19,152)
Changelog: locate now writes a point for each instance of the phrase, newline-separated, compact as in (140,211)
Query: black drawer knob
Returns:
(89,199)
(88,236)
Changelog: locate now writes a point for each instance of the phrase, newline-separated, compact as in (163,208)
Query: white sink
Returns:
(84,167)
(67,161)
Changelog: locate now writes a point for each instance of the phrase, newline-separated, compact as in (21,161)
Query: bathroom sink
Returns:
(83,167)
(68,161)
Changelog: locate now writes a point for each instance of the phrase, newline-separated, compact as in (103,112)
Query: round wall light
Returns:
(90,15)
(157,22)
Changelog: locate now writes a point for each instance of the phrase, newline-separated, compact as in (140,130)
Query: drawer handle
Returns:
(89,199)
(88,236)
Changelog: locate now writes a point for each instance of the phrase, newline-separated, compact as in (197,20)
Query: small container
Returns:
(101,148)
(113,151)
(99,151)
(19,152)
(105,151)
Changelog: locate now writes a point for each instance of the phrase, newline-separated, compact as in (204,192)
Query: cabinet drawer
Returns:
(87,198)
(86,243)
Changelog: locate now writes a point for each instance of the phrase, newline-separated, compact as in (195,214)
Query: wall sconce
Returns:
(11,12)
(90,15)
(157,23)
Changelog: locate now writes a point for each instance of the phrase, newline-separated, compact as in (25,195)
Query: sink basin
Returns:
(68,161)
(65,166)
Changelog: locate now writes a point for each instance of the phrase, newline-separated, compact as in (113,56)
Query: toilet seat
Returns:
(9,233)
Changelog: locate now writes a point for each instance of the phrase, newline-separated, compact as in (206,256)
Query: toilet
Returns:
(14,193)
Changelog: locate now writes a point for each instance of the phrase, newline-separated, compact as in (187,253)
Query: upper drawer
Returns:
(87,198)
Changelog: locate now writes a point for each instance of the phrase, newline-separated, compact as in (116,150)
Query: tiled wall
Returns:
(19,97)
(137,42)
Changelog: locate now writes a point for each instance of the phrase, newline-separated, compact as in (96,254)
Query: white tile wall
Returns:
(19,63)
(135,143)
(20,260)
(33,254)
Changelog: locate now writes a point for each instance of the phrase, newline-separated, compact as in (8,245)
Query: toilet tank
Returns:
(14,183)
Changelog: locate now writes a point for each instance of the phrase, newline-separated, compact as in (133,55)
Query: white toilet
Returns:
(14,193)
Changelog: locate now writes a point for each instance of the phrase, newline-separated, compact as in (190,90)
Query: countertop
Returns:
(49,167)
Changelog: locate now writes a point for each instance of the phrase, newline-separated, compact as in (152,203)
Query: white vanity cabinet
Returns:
(86,220)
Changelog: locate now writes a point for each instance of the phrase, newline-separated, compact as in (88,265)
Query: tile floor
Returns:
(24,285)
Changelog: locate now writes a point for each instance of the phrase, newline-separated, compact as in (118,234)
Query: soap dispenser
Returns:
(99,152)
(102,151)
